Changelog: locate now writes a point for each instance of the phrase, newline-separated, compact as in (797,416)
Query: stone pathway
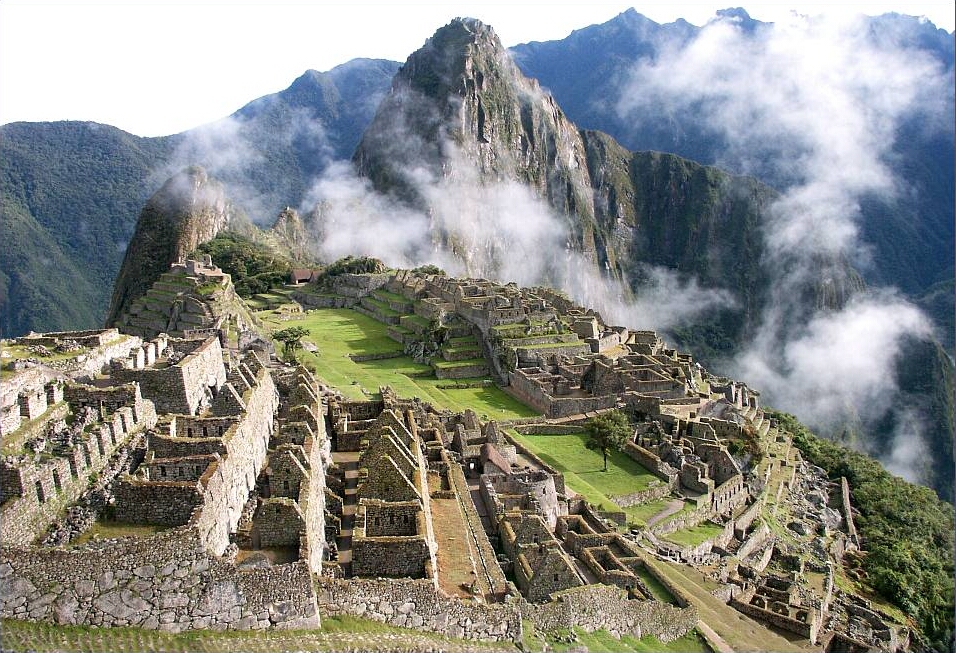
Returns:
(348,460)
(674,506)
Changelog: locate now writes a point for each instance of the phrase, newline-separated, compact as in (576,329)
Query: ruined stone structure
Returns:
(194,298)
(256,485)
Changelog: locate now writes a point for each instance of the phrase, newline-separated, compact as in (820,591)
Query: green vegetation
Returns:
(340,332)
(583,470)
(695,535)
(291,339)
(602,641)
(656,587)
(353,265)
(608,431)
(905,529)
(639,515)
(103,530)
(336,634)
(254,267)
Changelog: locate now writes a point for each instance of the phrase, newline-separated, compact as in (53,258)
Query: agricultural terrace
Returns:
(583,468)
(337,333)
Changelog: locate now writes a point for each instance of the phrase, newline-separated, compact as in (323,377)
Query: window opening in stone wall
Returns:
(56,481)
(285,486)
(189,431)
(220,430)
(162,470)
(205,432)
(556,578)
(41,497)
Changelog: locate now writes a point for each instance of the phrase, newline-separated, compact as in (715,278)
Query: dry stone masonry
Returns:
(251,496)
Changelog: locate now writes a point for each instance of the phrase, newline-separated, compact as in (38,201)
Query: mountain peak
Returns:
(188,210)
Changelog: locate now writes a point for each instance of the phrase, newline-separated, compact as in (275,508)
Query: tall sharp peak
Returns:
(436,68)
(188,210)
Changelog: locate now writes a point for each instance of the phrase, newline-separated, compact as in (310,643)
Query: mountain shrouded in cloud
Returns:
(852,119)
(473,166)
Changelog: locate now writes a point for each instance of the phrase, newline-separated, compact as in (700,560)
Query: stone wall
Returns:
(393,557)
(416,604)
(659,491)
(652,463)
(163,503)
(180,387)
(35,492)
(807,627)
(166,582)
(593,607)
(531,393)
(279,522)
(227,491)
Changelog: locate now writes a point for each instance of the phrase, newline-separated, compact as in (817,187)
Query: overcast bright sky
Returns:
(154,69)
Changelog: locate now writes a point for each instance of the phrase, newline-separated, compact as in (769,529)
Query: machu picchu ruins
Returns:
(253,495)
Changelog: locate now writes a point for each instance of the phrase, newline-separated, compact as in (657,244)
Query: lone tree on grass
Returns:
(291,339)
(608,431)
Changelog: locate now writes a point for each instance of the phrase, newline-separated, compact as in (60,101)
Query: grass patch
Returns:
(583,468)
(601,641)
(382,307)
(336,634)
(105,530)
(417,319)
(657,588)
(457,349)
(450,365)
(340,332)
(391,296)
(696,535)
(641,514)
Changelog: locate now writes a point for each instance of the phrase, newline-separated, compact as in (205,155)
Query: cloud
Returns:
(812,104)
(494,229)
(240,152)
(840,361)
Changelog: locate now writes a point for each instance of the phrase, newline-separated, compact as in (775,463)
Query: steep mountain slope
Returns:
(460,116)
(190,209)
(590,73)
(461,124)
(71,191)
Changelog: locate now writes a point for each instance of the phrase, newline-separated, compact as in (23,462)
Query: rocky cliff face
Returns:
(190,209)
(460,109)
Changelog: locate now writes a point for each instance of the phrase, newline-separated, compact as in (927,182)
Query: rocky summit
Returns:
(188,210)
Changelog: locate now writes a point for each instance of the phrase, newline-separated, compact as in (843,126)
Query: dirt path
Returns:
(674,506)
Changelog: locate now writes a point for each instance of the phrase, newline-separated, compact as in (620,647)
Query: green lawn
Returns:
(641,514)
(340,332)
(657,588)
(336,634)
(694,536)
(584,469)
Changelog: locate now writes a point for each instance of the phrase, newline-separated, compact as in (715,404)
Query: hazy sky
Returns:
(155,69)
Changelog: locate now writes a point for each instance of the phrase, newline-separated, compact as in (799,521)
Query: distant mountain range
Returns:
(449,156)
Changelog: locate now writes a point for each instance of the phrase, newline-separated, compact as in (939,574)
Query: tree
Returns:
(291,339)
(608,431)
